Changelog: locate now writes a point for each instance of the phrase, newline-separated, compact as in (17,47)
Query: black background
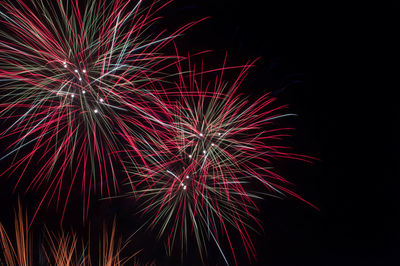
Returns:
(336,64)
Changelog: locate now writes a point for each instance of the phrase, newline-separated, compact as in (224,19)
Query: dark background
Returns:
(336,64)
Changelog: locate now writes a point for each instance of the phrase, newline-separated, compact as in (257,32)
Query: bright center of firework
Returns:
(70,92)
(202,142)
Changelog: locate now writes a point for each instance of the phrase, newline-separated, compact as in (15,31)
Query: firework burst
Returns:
(65,249)
(77,80)
(61,248)
(19,250)
(201,170)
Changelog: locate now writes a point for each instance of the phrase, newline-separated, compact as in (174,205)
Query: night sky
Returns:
(335,64)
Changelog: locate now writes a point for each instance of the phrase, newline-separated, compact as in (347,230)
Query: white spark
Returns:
(84,71)
(184,187)
(83,92)
(101,100)
(212,144)
(201,135)
(72,95)
(96,111)
(219,134)
(80,79)
(187,177)
(190,156)
(76,70)
(204,151)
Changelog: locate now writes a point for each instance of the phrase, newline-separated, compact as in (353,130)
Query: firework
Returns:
(19,251)
(65,249)
(62,248)
(77,80)
(202,169)
(82,88)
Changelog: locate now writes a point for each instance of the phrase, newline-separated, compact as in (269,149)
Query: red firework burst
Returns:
(202,169)
(77,82)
